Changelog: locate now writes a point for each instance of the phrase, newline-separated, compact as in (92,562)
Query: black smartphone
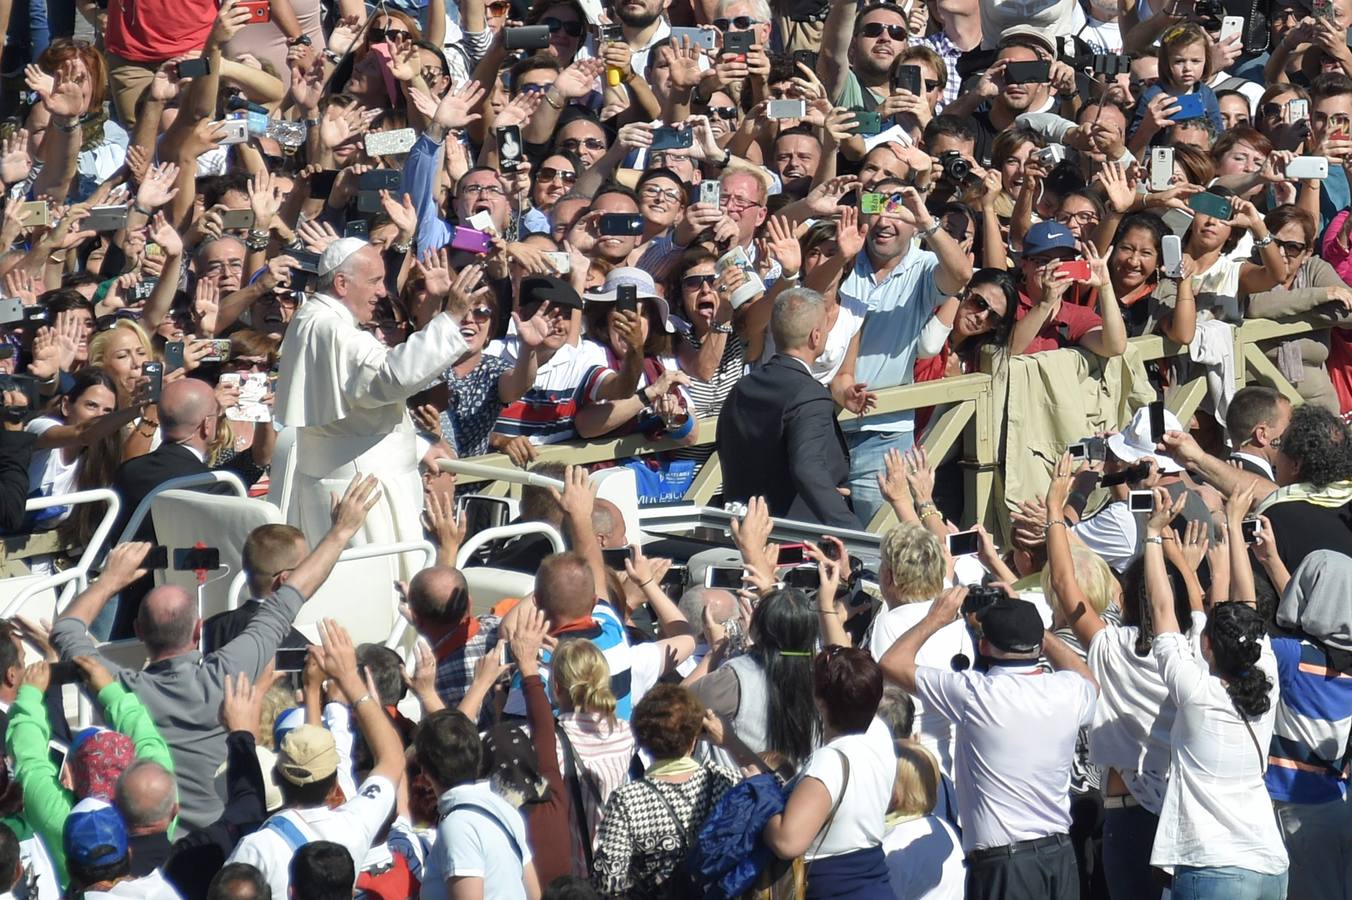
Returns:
(173,355)
(192,559)
(157,558)
(321,183)
(357,228)
(806,577)
(1037,71)
(526,37)
(63,673)
(1157,421)
(155,372)
(806,57)
(1250,529)
(667,137)
(908,78)
(620,224)
(674,582)
(290,659)
(791,555)
(306,260)
(510,148)
(379,180)
(626,298)
(614,557)
(194,68)
(738,43)
(1110,64)
(964,543)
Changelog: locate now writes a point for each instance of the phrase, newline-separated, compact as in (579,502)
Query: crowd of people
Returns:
(366,238)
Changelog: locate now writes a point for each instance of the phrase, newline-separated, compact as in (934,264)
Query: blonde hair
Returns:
(916,789)
(99,344)
(276,700)
(580,672)
(1096,580)
(914,560)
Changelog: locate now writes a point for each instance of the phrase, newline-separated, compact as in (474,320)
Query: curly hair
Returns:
(667,720)
(1318,443)
(914,562)
(1236,631)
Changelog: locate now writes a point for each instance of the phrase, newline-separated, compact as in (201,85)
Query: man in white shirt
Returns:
(1256,419)
(307,770)
(98,859)
(1015,728)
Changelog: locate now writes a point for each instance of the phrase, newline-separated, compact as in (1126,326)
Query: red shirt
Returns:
(1064,329)
(156,30)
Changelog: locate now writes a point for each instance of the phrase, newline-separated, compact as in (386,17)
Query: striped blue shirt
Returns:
(1310,753)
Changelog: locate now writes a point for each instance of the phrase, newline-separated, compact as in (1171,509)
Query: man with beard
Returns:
(857,53)
(993,105)
(644,24)
(795,156)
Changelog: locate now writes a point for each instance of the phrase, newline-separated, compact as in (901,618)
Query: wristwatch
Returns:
(302,41)
(256,239)
(642,395)
(332,57)
(721,328)
(1260,243)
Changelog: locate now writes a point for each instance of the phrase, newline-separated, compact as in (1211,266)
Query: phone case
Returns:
(699,37)
(786,109)
(471,240)
(237,219)
(260,11)
(1161,167)
(1308,167)
(379,180)
(738,42)
(527,37)
(868,122)
(1076,268)
(105,218)
(1189,107)
(710,193)
(1211,205)
(871,204)
(387,143)
(1173,255)
(236,131)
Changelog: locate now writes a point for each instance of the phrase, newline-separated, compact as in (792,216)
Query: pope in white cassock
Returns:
(344,392)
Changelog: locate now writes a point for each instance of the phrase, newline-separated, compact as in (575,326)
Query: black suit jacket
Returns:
(224,627)
(778,438)
(137,477)
(1250,466)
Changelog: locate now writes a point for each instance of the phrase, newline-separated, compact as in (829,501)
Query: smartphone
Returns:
(471,240)
(321,183)
(194,68)
(1156,412)
(729,578)
(192,559)
(306,260)
(908,78)
(867,122)
(1231,26)
(173,355)
(698,37)
(830,549)
(236,131)
(807,58)
(1308,167)
(389,143)
(63,673)
(804,577)
(1325,9)
(1297,110)
(562,262)
(527,37)
(667,137)
(220,350)
(964,543)
(1190,106)
(237,219)
(105,218)
(738,43)
(1037,71)
(157,558)
(710,193)
(505,657)
(510,148)
(786,109)
(674,582)
(357,228)
(482,513)
(1250,529)
(57,751)
(620,225)
(290,659)
(614,557)
(1213,205)
(1110,64)
(1141,501)
(1077,269)
(11,311)
(626,298)
(260,11)
(155,372)
(1161,167)
(35,212)
(791,555)
(1173,256)
(378,180)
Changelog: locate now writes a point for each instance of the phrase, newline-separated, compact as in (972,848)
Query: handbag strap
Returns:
(574,774)
(671,811)
(1262,757)
(830,820)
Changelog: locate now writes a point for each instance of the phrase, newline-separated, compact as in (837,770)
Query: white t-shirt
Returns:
(473,845)
(48,474)
(1111,533)
(924,860)
(354,825)
(147,887)
(858,824)
(848,322)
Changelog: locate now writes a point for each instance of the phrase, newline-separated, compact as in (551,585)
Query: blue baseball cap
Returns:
(94,834)
(1049,237)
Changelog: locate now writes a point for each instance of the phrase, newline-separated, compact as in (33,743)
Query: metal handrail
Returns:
(80,571)
(468,549)
(199,479)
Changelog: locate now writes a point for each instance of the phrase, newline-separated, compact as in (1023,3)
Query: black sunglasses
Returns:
(572,29)
(875,29)
(389,34)
(549,173)
(931,85)
(695,282)
(741,23)
(1293,247)
(983,306)
(723,112)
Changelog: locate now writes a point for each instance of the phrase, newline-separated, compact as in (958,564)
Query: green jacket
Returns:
(45,802)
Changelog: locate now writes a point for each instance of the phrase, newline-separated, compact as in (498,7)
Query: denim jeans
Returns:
(1128,835)
(1227,883)
(867,451)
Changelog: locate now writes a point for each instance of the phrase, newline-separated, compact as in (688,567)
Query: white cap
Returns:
(1133,444)
(337,253)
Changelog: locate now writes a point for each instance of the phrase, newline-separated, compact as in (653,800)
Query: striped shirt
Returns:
(606,631)
(604,752)
(563,385)
(1309,754)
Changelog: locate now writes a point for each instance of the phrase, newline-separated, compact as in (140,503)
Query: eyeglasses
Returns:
(1270,110)
(732,202)
(983,306)
(103,323)
(1282,13)
(653,192)
(695,282)
(549,174)
(741,23)
(1085,217)
(491,190)
(482,313)
(1293,248)
(876,29)
(398,35)
(932,85)
(431,73)
(956,233)
(572,29)
(723,112)
(575,144)
(665,158)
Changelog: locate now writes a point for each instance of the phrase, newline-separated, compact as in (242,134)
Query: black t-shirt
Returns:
(1301,528)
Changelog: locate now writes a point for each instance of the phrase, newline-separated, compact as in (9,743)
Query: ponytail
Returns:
(1236,632)
(581,671)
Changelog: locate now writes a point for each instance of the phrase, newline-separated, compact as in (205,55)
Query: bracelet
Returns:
(794,277)
(362,699)
(720,328)
(645,584)
(827,612)
(67,128)
(1260,243)
(256,240)
(930,512)
(1155,540)
(1061,522)
(550,101)
(401,246)
(149,214)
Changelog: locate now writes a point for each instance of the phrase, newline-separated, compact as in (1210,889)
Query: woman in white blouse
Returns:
(1217,830)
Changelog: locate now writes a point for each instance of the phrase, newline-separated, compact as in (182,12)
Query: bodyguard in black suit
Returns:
(1255,420)
(777,432)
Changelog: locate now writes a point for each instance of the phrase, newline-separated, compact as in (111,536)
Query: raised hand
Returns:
(435,270)
(15,162)
(533,331)
(361,496)
(782,241)
(317,236)
(265,199)
(66,99)
(241,705)
(157,188)
(230,20)
(520,109)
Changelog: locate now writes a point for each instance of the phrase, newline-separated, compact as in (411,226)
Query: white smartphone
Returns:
(710,193)
(729,578)
(1173,255)
(562,263)
(1141,501)
(1308,167)
(236,131)
(1230,25)
(390,143)
(1161,168)
(1297,110)
(787,109)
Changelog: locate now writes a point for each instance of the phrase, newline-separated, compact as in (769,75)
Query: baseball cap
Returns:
(1048,237)
(307,754)
(336,254)
(1133,443)
(94,834)
(539,288)
(1037,34)
(1012,625)
(98,757)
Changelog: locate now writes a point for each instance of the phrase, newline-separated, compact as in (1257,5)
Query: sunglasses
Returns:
(695,282)
(572,29)
(982,305)
(876,29)
(534,88)
(723,112)
(482,313)
(498,9)
(105,322)
(741,23)
(398,35)
(550,174)
(575,143)
(1270,111)
(931,85)
(1293,248)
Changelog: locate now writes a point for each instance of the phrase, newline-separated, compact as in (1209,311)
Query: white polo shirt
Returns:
(1014,738)
(354,825)
(488,843)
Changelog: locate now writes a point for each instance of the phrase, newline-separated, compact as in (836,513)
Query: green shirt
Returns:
(854,95)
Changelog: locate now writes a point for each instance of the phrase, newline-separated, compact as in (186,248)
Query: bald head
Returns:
(608,523)
(565,588)
(167,622)
(722,605)
(184,405)
(146,797)
(439,598)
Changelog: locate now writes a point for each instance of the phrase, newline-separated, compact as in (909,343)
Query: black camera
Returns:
(957,171)
(26,385)
(980,598)
(1209,13)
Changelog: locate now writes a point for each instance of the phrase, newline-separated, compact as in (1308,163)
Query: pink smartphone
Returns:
(471,240)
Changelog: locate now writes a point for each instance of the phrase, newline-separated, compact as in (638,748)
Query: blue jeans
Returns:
(1128,835)
(867,451)
(1227,883)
